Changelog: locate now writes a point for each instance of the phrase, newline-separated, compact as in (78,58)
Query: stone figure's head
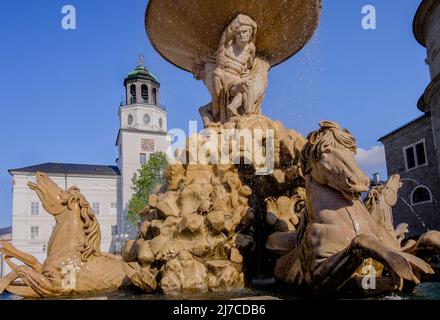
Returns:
(328,157)
(242,30)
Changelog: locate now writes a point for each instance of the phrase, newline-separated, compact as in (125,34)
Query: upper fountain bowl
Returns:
(182,31)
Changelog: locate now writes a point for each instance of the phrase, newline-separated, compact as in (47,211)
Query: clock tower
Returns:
(142,131)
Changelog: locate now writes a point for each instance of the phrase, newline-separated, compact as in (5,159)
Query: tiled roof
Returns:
(70,168)
(5,231)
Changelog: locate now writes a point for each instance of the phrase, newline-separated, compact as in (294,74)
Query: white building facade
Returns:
(142,131)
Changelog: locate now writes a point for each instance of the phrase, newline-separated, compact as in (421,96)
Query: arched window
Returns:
(421,194)
(154,96)
(144,93)
(160,123)
(132,93)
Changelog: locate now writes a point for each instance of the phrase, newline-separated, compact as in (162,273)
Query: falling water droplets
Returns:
(413,212)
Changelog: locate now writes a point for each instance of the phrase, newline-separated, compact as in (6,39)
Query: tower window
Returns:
(132,93)
(160,123)
(154,96)
(415,155)
(420,195)
(144,93)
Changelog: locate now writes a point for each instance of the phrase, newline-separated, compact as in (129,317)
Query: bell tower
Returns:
(142,131)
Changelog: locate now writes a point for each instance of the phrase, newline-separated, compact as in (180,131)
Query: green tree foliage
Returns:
(145,182)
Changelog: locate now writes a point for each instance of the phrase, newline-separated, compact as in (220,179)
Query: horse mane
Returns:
(328,135)
(372,198)
(91,225)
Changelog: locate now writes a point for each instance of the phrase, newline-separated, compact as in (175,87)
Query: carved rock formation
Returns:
(195,231)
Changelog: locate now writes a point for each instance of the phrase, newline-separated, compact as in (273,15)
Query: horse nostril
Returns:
(351,181)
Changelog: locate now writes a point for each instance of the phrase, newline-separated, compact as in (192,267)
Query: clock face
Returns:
(130,119)
(146,119)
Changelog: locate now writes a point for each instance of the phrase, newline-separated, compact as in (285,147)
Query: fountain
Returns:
(246,199)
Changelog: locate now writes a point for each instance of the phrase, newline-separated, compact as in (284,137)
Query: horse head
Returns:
(57,201)
(380,201)
(328,158)
(52,197)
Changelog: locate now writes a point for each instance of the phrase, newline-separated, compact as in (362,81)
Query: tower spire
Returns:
(141,62)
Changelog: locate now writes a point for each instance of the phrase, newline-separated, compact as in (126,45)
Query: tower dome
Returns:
(142,86)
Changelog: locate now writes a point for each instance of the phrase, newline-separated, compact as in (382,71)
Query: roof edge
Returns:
(403,126)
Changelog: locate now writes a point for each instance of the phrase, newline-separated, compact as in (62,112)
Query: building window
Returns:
(415,155)
(35,208)
(44,247)
(132,93)
(114,230)
(154,96)
(143,158)
(113,205)
(421,195)
(35,232)
(160,123)
(95,207)
(144,93)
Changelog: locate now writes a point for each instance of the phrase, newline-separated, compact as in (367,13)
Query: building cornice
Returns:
(425,100)
(426,8)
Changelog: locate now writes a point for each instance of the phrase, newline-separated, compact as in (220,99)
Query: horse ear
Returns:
(313,137)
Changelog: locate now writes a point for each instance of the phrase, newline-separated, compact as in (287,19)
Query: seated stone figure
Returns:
(235,76)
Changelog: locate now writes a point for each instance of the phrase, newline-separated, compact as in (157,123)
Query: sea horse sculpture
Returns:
(379,203)
(74,264)
(340,235)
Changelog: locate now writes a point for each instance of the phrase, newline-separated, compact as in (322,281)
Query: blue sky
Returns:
(60,89)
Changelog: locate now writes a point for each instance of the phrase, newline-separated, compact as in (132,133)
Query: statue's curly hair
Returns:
(91,225)
(229,33)
(328,135)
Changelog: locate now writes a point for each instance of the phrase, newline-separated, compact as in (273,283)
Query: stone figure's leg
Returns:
(337,269)
(11,252)
(205,113)
(37,281)
(249,106)
(235,104)
(215,105)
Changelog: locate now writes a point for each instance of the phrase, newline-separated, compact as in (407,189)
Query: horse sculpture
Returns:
(379,203)
(340,236)
(74,264)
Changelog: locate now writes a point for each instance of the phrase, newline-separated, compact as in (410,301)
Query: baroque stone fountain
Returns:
(243,192)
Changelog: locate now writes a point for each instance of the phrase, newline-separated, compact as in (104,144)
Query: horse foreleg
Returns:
(427,245)
(11,252)
(7,280)
(37,281)
(337,269)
